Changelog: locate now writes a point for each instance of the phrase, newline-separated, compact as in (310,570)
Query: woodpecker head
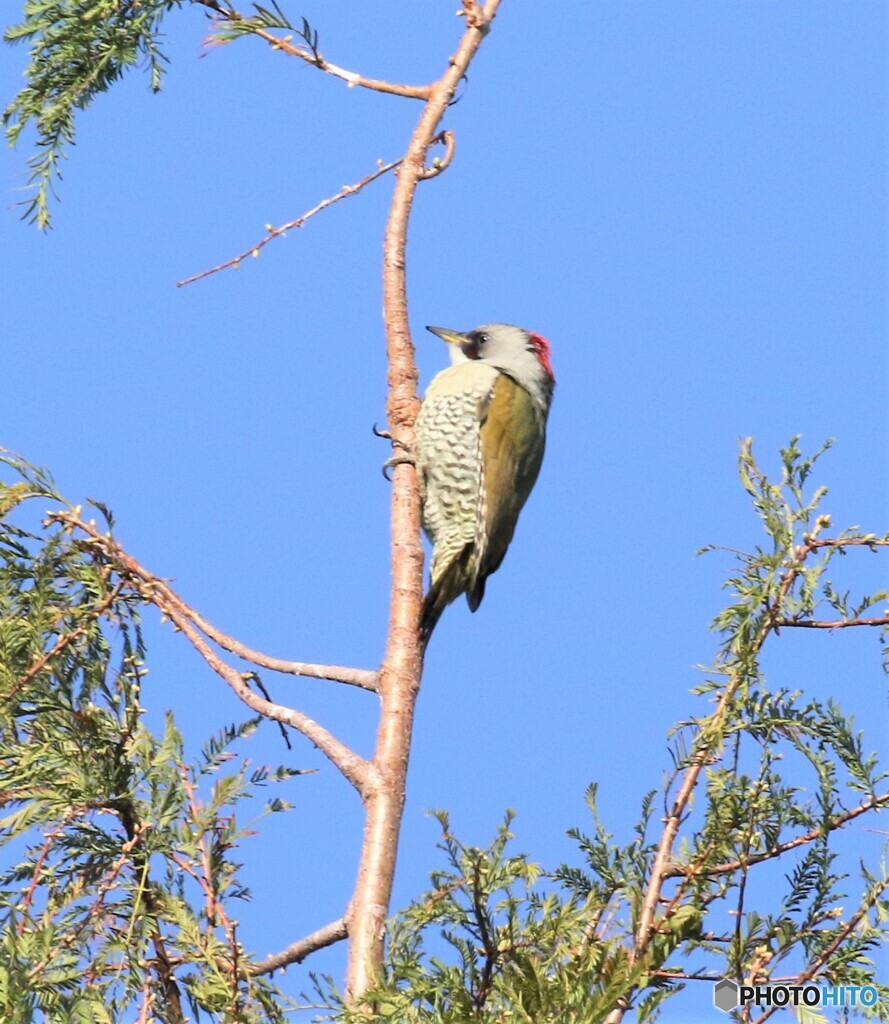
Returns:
(512,350)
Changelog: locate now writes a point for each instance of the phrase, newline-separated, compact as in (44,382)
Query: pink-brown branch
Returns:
(354,768)
(438,165)
(402,664)
(870,541)
(882,620)
(727,867)
(363,678)
(296,952)
(285,45)
(151,586)
(273,233)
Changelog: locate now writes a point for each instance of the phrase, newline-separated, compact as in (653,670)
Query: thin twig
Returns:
(296,952)
(50,840)
(682,976)
(351,78)
(254,677)
(441,163)
(438,165)
(835,624)
(728,867)
(272,233)
(847,542)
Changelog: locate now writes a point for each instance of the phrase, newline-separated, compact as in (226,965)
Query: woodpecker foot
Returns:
(406,457)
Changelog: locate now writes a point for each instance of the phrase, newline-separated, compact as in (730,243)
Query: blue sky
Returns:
(688,199)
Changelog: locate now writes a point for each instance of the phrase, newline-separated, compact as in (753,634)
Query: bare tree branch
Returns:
(870,541)
(296,952)
(364,678)
(354,767)
(402,664)
(438,165)
(253,251)
(313,57)
(832,624)
(680,870)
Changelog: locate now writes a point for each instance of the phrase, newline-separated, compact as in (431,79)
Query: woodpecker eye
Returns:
(475,342)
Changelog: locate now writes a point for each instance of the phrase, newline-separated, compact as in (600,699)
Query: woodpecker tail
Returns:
(430,614)
(446,583)
(454,580)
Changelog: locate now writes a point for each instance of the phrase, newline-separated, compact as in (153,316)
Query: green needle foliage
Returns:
(116,872)
(751,887)
(117,881)
(79,48)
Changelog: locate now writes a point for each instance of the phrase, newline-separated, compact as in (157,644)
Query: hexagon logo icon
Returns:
(725,995)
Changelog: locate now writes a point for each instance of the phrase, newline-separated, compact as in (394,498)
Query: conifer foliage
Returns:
(733,870)
(117,881)
(116,872)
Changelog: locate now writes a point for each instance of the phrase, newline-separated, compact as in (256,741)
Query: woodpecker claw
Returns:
(396,443)
(397,460)
(394,460)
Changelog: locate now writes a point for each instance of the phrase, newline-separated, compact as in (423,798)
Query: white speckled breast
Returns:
(448,457)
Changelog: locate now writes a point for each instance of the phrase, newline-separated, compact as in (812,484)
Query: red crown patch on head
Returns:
(542,350)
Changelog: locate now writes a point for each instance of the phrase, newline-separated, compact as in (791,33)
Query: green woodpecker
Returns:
(480,440)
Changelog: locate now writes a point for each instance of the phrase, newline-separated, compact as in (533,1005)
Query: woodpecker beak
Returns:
(446,334)
(462,346)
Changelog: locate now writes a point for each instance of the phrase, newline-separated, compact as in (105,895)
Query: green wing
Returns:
(513,433)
